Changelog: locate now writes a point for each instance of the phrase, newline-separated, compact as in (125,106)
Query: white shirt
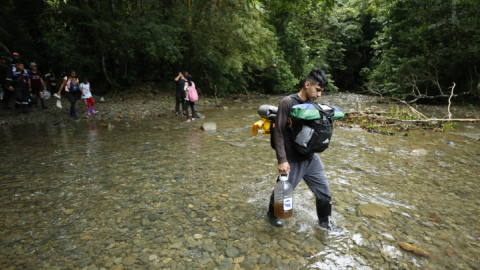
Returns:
(86,90)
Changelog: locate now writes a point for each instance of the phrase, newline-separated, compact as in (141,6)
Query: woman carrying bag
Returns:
(191,96)
(72,91)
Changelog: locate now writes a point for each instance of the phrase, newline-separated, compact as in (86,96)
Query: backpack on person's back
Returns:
(192,93)
(310,124)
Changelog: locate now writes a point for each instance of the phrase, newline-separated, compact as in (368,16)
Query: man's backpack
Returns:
(310,124)
(192,93)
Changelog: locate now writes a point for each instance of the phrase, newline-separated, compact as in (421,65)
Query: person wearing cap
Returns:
(18,82)
(15,59)
(3,75)
(35,84)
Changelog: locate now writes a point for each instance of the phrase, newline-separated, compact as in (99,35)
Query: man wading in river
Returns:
(309,166)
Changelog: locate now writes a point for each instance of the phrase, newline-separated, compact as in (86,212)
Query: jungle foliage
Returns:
(409,49)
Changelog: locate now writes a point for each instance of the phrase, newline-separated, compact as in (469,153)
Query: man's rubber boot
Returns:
(43,103)
(275,221)
(324,212)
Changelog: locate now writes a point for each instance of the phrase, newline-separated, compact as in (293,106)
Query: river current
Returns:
(162,193)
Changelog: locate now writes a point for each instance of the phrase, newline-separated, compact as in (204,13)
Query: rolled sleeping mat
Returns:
(267,111)
(338,113)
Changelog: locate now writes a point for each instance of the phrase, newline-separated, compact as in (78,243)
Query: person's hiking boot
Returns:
(275,221)
(327,224)
(188,120)
(193,119)
(176,114)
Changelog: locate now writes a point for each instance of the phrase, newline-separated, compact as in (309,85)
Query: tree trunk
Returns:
(112,5)
(106,75)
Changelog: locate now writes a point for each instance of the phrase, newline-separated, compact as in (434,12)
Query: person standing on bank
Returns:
(18,83)
(298,166)
(72,91)
(180,93)
(4,70)
(36,83)
(52,81)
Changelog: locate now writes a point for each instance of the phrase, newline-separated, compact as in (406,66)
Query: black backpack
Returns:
(311,136)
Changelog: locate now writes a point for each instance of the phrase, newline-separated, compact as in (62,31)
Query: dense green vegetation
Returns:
(409,49)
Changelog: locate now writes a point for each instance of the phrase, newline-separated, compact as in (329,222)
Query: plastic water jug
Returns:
(283,198)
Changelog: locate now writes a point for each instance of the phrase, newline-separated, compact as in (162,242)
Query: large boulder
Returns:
(373,210)
(209,126)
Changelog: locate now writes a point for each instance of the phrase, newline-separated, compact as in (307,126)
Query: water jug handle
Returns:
(283,177)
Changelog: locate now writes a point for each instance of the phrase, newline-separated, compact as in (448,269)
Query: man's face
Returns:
(16,56)
(314,91)
(20,66)
(34,68)
(2,62)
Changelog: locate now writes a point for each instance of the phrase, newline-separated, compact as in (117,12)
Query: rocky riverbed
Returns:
(155,192)
(133,107)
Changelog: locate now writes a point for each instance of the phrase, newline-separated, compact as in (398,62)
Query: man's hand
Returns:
(11,88)
(284,168)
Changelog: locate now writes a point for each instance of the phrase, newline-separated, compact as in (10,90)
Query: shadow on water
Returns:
(162,193)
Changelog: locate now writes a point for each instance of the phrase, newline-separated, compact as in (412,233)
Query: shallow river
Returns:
(161,193)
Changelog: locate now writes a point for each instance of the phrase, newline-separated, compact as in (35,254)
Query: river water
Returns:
(162,193)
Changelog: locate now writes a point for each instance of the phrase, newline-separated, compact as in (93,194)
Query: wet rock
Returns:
(225,266)
(239,259)
(208,247)
(241,145)
(232,252)
(293,264)
(263,238)
(118,267)
(284,244)
(373,210)
(450,252)
(316,245)
(130,260)
(199,115)
(209,126)
(69,211)
(276,262)
(154,217)
(177,245)
(83,262)
(420,152)
(145,222)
